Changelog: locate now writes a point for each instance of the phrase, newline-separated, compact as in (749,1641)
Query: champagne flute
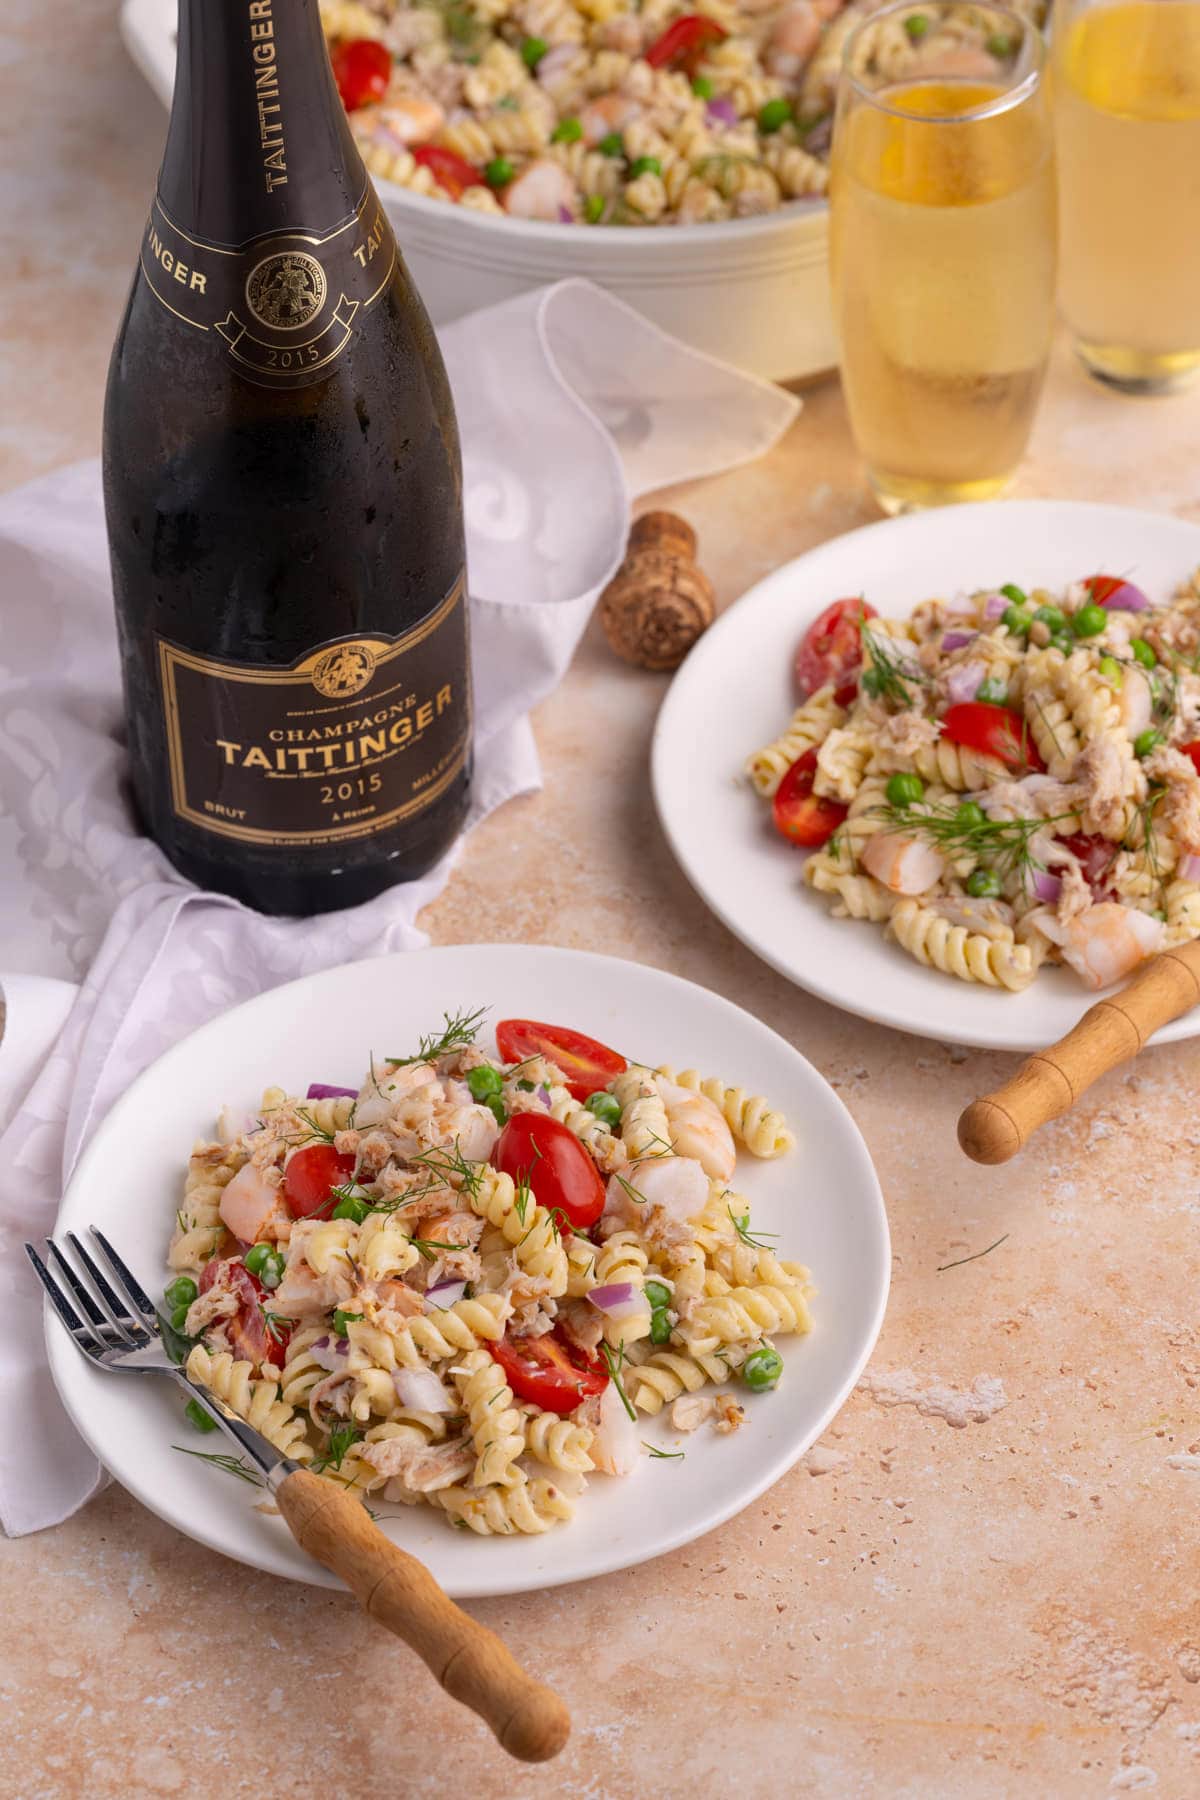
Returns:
(1127,124)
(942,247)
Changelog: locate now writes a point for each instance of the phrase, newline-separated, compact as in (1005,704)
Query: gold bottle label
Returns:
(356,736)
(283,308)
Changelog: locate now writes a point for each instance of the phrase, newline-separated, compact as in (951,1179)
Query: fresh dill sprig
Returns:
(182,1222)
(615,1361)
(314,1130)
(887,672)
(1002,844)
(460,1030)
(1049,729)
(428,1246)
(232,1465)
(445,1163)
(942,1267)
(663,1455)
(277,1326)
(1145,818)
(628,1188)
(742,1227)
(340,1440)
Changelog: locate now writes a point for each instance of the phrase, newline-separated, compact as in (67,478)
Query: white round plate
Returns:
(823,1200)
(734,694)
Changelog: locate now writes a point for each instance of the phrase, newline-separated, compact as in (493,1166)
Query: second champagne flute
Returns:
(942,247)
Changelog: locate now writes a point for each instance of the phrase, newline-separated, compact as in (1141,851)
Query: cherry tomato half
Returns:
(362,68)
(548,1371)
(586,1063)
(1192,750)
(310,1177)
(993,731)
(831,648)
(247,1330)
(1114,592)
(1096,856)
(450,170)
(561,1175)
(684,42)
(804,817)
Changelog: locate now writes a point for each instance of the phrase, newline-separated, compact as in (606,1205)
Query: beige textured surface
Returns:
(1005,1608)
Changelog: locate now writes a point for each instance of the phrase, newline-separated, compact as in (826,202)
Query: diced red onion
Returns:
(330,1353)
(619,1300)
(321,1090)
(1047,887)
(1125,598)
(995,606)
(963,683)
(445,1293)
(1189,867)
(957,640)
(721,111)
(565,216)
(543,1095)
(423,1391)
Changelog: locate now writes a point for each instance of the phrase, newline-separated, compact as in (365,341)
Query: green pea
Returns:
(702,87)
(1017,620)
(350,1207)
(255,1257)
(904,790)
(195,1415)
(1089,621)
(272,1270)
(497,1108)
(970,813)
(774,113)
(484,1081)
(983,884)
(1110,668)
(645,165)
(762,1368)
(606,1107)
(658,1294)
(1146,742)
(916,25)
(533,50)
(180,1292)
(992,692)
(1062,640)
(660,1327)
(1000,46)
(1017,595)
(1051,616)
(179,1319)
(499,172)
(1143,652)
(612,145)
(567,131)
(593,208)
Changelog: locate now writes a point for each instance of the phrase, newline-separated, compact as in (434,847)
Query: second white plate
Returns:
(734,693)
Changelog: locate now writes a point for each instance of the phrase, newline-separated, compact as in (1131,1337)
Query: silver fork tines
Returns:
(116,1325)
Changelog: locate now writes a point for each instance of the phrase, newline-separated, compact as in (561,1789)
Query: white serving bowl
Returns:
(754,292)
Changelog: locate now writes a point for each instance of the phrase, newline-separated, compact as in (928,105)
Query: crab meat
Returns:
(421,1468)
(904,865)
(1105,942)
(252,1203)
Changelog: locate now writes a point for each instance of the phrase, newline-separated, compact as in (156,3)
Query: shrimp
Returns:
(794,36)
(252,1204)
(969,61)
(1105,942)
(611,112)
(698,1129)
(614,1446)
(409,119)
(384,1091)
(542,191)
(674,1187)
(904,865)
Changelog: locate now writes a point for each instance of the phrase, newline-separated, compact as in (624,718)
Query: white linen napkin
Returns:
(570,405)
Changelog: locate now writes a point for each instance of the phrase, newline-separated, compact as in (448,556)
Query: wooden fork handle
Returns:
(1048,1084)
(468,1660)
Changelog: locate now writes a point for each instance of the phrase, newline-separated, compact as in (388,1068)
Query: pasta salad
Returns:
(613,112)
(464,1284)
(1004,781)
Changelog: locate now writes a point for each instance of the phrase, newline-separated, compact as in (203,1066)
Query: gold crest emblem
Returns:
(286,290)
(343,671)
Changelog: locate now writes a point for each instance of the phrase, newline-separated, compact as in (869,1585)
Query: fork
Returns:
(113,1321)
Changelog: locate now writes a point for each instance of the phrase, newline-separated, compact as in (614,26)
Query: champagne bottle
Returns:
(284,495)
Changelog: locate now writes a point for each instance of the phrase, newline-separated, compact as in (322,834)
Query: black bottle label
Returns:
(356,736)
(282,308)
